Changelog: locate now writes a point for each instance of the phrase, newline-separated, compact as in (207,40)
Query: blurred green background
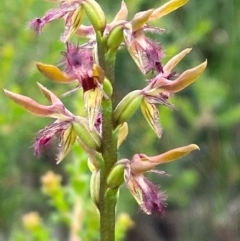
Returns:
(204,187)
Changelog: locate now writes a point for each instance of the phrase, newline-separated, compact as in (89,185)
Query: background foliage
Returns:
(203,189)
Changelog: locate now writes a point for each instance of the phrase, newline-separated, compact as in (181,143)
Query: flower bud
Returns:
(112,194)
(95,14)
(95,186)
(91,139)
(115,37)
(116,176)
(107,87)
(127,107)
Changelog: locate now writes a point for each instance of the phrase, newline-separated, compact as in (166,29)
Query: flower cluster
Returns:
(87,65)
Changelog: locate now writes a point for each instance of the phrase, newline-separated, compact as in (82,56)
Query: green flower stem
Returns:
(109,151)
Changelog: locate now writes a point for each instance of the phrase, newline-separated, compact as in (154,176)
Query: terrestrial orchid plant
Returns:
(102,130)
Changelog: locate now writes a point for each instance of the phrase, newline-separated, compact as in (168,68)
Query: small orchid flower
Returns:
(150,199)
(72,11)
(162,87)
(158,90)
(67,138)
(62,126)
(79,66)
(145,52)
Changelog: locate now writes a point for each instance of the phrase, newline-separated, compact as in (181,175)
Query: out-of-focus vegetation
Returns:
(204,188)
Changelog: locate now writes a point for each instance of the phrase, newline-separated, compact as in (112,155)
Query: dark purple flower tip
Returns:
(36,24)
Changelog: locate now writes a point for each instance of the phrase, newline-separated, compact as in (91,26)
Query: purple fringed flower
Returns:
(151,52)
(78,62)
(150,199)
(147,194)
(145,52)
(48,133)
(65,8)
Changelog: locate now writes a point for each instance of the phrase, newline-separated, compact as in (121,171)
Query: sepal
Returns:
(140,19)
(54,73)
(174,61)
(122,13)
(142,163)
(184,80)
(167,8)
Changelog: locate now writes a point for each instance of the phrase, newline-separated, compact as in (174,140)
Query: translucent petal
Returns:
(67,140)
(150,112)
(122,133)
(92,102)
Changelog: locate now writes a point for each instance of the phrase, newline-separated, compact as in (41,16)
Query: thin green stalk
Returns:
(109,152)
(107,204)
